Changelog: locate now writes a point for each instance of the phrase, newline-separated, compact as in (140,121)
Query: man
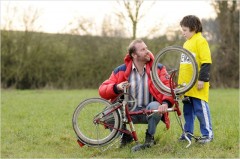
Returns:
(136,73)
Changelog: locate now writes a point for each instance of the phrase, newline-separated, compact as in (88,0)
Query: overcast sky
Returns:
(55,15)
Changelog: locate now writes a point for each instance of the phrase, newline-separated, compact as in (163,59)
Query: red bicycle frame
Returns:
(128,113)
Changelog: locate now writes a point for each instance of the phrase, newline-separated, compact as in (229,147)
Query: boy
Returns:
(196,99)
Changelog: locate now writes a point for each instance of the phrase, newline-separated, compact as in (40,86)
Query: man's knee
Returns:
(153,105)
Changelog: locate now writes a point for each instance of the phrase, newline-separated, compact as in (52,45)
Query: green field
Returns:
(37,124)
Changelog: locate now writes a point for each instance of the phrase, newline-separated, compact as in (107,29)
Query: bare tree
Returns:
(30,18)
(131,11)
(19,49)
(80,26)
(227,57)
(113,27)
(8,17)
(17,18)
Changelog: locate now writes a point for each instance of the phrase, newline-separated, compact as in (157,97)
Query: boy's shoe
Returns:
(204,140)
(126,139)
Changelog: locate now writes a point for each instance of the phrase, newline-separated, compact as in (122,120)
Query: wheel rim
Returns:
(173,55)
(90,132)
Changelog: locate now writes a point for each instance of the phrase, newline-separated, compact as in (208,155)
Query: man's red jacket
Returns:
(108,89)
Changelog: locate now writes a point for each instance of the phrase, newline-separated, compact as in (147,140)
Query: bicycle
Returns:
(97,122)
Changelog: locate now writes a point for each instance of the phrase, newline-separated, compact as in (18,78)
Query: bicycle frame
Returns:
(126,113)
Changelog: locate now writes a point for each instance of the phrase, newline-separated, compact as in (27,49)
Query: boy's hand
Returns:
(200,85)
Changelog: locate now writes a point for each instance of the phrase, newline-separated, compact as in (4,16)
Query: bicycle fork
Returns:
(127,118)
(175,96)
(181,123)
(131,125)
(184,133)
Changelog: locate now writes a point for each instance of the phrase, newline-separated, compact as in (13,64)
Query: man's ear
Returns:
(134,55)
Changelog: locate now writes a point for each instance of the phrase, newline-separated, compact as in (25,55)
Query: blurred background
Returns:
(77,44)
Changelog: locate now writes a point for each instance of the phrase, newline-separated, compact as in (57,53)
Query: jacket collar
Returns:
(128,62)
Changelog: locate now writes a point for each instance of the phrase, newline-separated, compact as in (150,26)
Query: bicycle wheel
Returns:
(95,122)
(182,62)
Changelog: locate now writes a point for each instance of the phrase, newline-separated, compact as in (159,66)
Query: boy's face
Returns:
(187,33)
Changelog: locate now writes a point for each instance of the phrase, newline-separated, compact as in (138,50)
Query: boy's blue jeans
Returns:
(199,108)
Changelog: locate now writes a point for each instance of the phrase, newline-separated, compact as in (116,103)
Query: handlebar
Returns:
(168,110)
(155,111)
(151,112)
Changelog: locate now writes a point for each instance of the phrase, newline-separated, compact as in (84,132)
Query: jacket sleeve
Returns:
(108,89)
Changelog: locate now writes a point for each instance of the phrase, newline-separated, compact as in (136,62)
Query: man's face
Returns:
(142,52)
(187,33)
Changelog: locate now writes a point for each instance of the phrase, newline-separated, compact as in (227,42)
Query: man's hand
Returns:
(162,108)
(120,85)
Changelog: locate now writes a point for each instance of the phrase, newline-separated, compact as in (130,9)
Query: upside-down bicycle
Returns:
(97,122)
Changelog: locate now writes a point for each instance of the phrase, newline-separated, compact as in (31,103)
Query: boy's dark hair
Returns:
(131,48)
(192,22)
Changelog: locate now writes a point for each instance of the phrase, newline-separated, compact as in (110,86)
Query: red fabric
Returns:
(106,88)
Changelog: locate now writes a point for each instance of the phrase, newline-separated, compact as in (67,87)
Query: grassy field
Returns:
(37,124)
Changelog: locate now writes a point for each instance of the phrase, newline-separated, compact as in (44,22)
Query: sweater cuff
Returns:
(116,90)
(167,102)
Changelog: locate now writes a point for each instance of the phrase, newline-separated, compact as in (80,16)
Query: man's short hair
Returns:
(132,47)
(192,22)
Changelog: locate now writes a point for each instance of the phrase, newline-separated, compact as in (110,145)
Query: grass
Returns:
(37,124)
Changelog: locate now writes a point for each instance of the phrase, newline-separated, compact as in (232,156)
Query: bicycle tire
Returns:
(176,53)
(90,132)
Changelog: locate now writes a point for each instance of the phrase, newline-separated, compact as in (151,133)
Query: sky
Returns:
(55,15)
